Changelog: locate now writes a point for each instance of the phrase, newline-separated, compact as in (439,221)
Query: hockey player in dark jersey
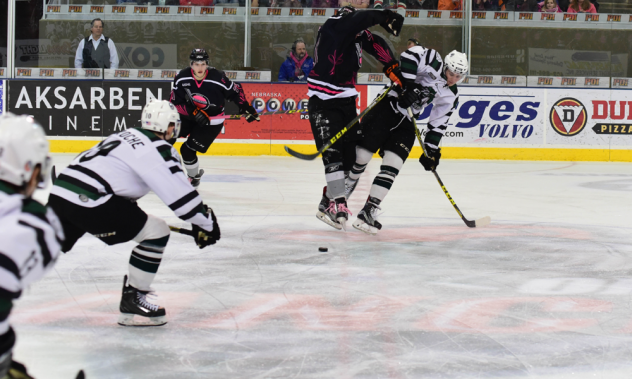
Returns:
(200,92)
(332,94)
(389,128)
(30,233)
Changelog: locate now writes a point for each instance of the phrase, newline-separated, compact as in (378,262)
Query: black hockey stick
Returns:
(53,174)
(238,116)
(472,224)
(310,157)
(187,232)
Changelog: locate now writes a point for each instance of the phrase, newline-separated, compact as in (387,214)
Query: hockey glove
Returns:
(395,74)
(251,113)
(201,118)
(431,161)
(393,23)
(203,237)
(409,97)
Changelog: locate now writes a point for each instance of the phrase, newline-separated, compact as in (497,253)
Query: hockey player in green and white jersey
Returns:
(97,194)
(389,128)
(30,233)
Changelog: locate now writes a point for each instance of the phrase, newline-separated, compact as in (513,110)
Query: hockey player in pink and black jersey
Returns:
(200,92)
(332,94)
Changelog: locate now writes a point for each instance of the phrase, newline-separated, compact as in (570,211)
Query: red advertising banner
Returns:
(267,97)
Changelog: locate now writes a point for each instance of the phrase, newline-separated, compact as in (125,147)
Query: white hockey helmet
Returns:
(457,63)
(158,114)
(23,146)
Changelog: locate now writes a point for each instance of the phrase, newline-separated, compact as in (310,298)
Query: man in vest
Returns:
(96,50)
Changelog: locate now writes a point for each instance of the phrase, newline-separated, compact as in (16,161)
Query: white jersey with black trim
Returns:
(129,164)
(31,236)
(424,67)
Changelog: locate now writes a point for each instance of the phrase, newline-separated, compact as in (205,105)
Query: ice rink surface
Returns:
(542,292)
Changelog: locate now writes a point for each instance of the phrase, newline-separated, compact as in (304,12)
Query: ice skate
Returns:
(136,310)
(367,219)
(195,180)
(342,213)
(350,186)
(327,211)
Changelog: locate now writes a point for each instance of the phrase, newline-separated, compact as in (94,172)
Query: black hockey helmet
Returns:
(198,55)
(343,11)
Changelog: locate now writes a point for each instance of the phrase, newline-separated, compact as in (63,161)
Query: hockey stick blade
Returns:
(472,224)
(310,157)
(187,232)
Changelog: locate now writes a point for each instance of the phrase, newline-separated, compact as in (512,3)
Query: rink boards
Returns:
(490,122)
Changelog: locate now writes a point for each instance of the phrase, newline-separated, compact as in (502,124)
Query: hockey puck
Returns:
(323,249)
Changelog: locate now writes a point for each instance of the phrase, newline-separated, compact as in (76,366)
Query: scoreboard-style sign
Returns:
(495,80)
(58,73)
(575,82)
(138,74)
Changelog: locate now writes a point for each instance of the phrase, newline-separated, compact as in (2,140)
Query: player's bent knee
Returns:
(393,159)
(363,155)
(154,228)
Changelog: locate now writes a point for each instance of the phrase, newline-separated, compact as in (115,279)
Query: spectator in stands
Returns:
(449,5)
(581,6)
(325,4)
(358,4)
(204,3)
(298,64)
(522,5)
(96,50)
(388,4)
(485,5)
(549,6)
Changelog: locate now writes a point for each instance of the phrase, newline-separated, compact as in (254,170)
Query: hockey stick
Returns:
(310,157)
(472,224)
(187,232)
(238,116)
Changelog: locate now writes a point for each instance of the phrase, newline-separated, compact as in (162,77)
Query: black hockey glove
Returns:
(395,74)
(393,23)
(431,161)
(409,97)
(203,237)
(201,118)
(251,113)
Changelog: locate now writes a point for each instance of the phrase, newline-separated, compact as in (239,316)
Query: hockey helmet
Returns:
(198,55)
(23,146)
(158,114)
(457,63)
(346,10)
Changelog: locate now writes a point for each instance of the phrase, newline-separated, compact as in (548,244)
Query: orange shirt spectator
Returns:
(449,5)
(581,6)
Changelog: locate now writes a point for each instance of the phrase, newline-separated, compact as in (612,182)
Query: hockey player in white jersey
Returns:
(30,233)
(97,194)
(389,128)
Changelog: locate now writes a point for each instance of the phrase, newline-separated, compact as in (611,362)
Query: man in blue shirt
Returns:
(297,65)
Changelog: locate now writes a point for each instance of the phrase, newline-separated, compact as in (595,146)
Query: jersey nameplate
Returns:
(130,138)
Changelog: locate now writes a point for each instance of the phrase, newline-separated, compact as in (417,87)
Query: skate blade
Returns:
(128,319)
(365,228)
(343,223)
(324,218)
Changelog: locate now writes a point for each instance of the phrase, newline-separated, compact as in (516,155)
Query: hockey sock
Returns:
(391,164)
(144,262)
(363,157)
(146,256)
(189,156)
(335,177)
